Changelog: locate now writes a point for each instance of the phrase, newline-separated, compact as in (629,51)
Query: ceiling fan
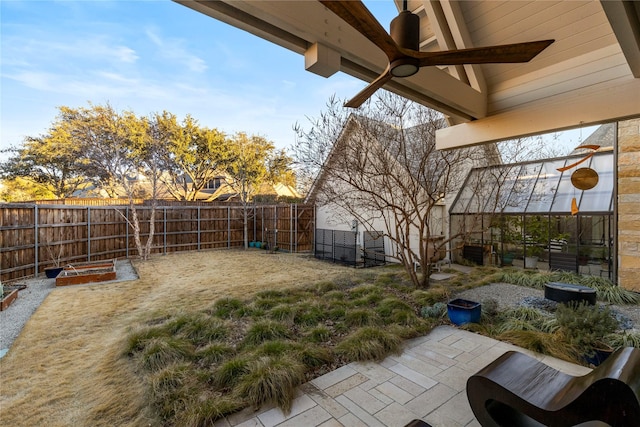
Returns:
(402,46)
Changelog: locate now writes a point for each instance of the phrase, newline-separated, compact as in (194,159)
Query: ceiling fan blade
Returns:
(356,14)
(517,52)
(366,93)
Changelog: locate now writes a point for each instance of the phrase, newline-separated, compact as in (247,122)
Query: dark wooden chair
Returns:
(518,390)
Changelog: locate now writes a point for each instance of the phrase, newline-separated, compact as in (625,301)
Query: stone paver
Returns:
(427,381)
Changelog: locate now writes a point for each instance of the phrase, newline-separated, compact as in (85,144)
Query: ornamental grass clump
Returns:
(163,351)
(203,365)
(369,343)
(271,379)
(265,330)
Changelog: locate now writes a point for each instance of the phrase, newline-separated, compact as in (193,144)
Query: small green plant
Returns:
(624,339)
(585,326)
(435,311)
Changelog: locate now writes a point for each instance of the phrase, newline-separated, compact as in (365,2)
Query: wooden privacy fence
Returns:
(34,236)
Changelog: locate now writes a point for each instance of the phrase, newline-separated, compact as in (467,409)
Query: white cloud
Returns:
(173,50)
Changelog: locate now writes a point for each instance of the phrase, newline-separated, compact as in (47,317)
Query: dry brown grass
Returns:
(65,368)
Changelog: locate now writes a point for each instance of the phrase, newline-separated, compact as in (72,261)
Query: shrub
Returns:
(585,326)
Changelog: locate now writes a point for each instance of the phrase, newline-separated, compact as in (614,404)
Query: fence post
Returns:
(36,242)
(291,226)
(88,233)
(198,228)
(228,226)
(126,224)
(164,227)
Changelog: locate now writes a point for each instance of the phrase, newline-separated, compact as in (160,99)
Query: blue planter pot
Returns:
(252,244)
(463,311)
(52,272)
(258,244)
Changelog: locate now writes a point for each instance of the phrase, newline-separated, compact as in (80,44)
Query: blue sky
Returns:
(149,56)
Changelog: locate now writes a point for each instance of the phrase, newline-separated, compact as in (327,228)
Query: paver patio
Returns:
(427,381)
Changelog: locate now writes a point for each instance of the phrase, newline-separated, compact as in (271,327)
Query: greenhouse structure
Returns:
(534,216)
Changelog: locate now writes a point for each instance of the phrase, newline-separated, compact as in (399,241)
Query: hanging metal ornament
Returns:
(584,178)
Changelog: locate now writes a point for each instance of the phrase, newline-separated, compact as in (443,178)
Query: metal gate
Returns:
(373,254)
(337,246)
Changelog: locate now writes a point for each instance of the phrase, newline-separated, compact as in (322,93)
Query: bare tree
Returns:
(382,167)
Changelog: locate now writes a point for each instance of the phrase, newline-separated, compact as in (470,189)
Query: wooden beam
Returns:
(624,17)
(606,102)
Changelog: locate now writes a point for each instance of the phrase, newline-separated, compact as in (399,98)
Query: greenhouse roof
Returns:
(536,188)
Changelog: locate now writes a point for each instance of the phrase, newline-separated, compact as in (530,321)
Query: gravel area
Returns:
(13,319)
(508,296)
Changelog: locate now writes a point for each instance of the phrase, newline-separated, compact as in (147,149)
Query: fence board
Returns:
(33,236)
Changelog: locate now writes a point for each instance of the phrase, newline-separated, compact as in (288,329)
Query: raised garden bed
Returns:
(87,272)
(8,298)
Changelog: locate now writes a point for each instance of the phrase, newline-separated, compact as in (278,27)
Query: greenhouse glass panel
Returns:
(523,187)
(566,191)
(466,193)
(545,187)
(505,178)
(598,199)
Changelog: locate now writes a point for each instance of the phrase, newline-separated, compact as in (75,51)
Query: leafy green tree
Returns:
(50,162)
(280,168)
(193,155)
(22,190)
(103,136)
(248,170)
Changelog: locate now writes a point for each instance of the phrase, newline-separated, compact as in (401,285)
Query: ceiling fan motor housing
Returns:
(405,30)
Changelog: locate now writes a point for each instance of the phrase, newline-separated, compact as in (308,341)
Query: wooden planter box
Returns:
(87,272)
(8,299)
